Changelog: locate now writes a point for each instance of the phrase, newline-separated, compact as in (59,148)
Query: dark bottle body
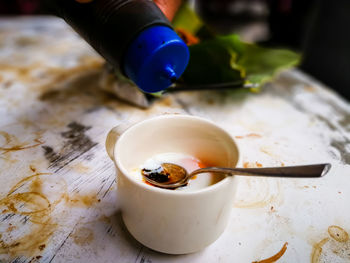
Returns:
(109,26)
(134,36)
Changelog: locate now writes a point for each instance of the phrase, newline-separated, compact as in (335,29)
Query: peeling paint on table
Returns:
(58,198)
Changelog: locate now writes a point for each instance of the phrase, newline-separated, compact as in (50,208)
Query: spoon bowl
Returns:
(172,176)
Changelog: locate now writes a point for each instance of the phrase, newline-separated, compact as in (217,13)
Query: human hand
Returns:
(168,7)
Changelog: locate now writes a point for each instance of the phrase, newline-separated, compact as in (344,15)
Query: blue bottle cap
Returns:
(156,58)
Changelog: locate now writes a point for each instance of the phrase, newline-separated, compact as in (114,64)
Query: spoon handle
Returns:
(307,171)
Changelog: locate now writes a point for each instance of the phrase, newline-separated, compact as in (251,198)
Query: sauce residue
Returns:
(81,200)
(317,250)
(338,244)
(32,205)
(83,236)
(6,136)
(21,147)
(27,209)
(338,234)
(275,257)
(250,135)
(252,165)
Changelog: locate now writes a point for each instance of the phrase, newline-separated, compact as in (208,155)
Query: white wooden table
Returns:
(58,195)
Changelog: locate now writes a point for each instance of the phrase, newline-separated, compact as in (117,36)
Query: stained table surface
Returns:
(58,197)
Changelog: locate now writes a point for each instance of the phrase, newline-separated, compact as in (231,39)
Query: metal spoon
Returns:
(171,176)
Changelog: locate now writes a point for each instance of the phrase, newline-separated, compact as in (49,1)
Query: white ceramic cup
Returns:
(171,221)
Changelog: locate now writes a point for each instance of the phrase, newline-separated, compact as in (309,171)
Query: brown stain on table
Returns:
(81,85)
(83,236)
(275,257)
(21,147)
(27,200)
(165,101)
(309,88)
(27,203)
(81,200)
(31,243)
(32,168)
(337,243)
(22,72)
(250,135)
(11,228)
(260,192)
(81,168)
(338,234)
(36,185)
(65,84)
(317,250)
(252,165)
(11,139)
(32,205)
(35,259)
(105,219)
(35,182)
(262,197)
(57,74)
(6,136)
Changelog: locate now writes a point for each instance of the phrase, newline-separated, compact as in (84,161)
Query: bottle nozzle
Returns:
(161,60)
(169,74)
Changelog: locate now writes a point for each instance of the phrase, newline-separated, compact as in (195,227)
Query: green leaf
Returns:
(211,61)
(262,64)
(187,19)
(227,59)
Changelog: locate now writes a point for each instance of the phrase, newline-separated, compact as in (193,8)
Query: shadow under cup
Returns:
(170,221)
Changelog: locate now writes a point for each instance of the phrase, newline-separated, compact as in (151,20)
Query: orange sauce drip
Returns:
(187,37)
(200,165)
(276,257)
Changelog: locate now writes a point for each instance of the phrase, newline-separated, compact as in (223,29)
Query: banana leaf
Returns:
(223,59)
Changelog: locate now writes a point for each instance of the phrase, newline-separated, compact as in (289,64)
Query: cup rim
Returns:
(159,190)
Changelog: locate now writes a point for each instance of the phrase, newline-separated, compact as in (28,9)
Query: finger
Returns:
(168,7)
